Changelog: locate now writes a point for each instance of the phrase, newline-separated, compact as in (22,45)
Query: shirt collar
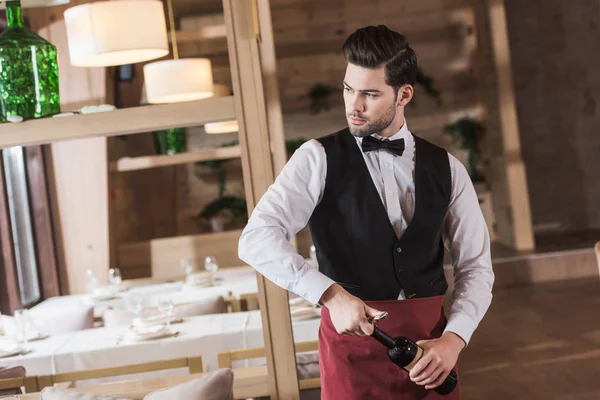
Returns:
(403,133)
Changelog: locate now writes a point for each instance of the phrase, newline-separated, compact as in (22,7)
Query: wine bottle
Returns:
(28,70)
(405,353)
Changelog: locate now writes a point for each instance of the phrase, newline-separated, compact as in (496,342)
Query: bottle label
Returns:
(415,360)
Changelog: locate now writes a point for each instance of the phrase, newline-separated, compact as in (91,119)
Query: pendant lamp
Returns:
(119,32)
(177,80)
(224,126)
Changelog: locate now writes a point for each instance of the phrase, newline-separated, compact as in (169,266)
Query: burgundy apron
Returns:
(358,368)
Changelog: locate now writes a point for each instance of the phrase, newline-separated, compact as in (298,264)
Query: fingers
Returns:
(366,328)
(420,366)
(371,312)
(441,378)
(429,374)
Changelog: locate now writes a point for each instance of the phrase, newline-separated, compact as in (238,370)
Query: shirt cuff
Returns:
(313,284)
(462,325)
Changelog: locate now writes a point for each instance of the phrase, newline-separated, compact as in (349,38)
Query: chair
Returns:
(13,378)
(64,320)
(308,367)
(194,364)
(216,305)
(249,301)
(216,385)
(597,250)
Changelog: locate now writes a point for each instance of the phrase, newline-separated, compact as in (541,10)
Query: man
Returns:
(381,204)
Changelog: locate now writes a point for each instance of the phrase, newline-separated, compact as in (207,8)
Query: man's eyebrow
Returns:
(364,90)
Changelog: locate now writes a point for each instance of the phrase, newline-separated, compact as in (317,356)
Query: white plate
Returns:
(103,296)
(33,336)
(11,352)
(195,285)
(157,320)
(151,333)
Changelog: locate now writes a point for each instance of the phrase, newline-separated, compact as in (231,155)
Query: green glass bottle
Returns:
(170,141)
(28,70)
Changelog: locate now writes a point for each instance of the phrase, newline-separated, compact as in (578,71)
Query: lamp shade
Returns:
(173,81)
(221,90)
(36,3)
(119,32)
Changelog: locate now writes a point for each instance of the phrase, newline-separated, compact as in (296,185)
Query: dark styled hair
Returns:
(378,46)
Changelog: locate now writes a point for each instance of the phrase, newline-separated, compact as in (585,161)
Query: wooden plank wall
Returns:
(308,35)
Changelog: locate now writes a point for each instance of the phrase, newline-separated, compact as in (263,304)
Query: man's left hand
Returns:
(439,357)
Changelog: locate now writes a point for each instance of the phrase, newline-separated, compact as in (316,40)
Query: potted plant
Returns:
(466,134)
(229,210)
(223,211)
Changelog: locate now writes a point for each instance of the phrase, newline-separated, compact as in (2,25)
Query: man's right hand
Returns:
(348,313)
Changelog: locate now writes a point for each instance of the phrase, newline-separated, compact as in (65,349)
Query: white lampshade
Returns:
(36,3)
(119,32)
(225,126)
(173,81)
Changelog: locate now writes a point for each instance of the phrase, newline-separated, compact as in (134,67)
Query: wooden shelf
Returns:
(135,163)
(119,122)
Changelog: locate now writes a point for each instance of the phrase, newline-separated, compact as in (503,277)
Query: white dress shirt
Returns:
(289,203)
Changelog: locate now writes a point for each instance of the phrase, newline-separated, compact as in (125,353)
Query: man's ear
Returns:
(405,95)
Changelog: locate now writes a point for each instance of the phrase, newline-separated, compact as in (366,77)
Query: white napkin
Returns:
(199,278)
(156,320)
(136,334)
(10,348)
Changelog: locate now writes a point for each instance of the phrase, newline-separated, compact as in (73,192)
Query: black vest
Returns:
(355,242)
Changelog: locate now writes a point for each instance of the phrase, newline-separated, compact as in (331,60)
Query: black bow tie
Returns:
(369,143)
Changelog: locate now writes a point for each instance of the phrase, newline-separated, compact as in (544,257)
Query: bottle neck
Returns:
(14,17)
(384,338)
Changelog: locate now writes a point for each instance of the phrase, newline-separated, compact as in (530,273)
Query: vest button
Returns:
(401,271)
(399,250)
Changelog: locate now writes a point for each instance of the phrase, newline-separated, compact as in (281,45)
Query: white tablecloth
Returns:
(204,336)
(233,281)
(41,359)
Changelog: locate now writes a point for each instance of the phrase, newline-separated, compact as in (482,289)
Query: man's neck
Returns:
(392,129)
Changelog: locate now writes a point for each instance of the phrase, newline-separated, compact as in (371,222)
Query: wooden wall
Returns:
(308,35)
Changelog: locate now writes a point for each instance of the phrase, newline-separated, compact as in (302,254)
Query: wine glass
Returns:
(114,277)
(210,264)
(134,304)
(186,267)
(166,307)
(25,326)
(91,282)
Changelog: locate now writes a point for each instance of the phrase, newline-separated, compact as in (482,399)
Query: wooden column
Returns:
(262,142)
(507,170)
(9,287)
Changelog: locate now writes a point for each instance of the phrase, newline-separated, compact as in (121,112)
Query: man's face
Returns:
(370,101)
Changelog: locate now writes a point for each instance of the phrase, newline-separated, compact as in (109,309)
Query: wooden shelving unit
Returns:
(118,122)
(136,163)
